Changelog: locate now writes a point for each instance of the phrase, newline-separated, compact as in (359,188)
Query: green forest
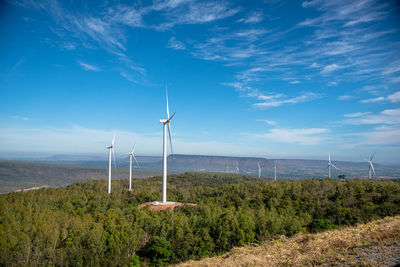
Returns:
(82,225)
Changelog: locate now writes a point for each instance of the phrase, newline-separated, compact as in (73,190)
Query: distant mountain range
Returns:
(286,168)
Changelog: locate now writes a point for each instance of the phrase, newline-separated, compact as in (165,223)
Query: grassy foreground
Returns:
(373,244)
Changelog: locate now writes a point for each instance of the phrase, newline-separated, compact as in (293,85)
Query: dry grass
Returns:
(373,244)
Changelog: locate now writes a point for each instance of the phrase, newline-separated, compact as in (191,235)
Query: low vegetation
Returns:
(81,225)
(373,244)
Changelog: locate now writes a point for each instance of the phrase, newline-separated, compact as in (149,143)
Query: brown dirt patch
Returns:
(164,206)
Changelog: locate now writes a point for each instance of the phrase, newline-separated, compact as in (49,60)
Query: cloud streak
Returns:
(303,136)
(88,67)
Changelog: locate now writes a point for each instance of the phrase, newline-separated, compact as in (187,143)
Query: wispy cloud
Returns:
(387,135)
(394,98)
(88,67)
(253,17)
(269,122)
(357,114)
(274,102)
(373,100)
(20,118)
(345,97)
(330,68)
(387,116)
(304,136)
(175,44)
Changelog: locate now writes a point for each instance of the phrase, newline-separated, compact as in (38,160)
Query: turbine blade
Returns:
(334,167)
(372,166)
(170,138)
(134,158)
(329,155)
(169,119)
(115,165)
(112,143)
(166,93)
(372,156)
(133,150)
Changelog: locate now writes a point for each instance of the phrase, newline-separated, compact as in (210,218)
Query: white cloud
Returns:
(311,3)
(294,82)
(345,97)
(388,116)
(192,12)
(254,17)
(330,68)
(88,67)
(314,65)
(332,83)
(394,98)
(305,136)
(175,44)
(273,102)
(269,122)
(373,100)
(20,118)
(380,136)
(357,114)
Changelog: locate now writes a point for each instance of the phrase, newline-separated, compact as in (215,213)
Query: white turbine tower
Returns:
(371,167)
(329,166)
(237,167)
(275,170)
(259,170)
(131,157)
(111,149)
(166,122)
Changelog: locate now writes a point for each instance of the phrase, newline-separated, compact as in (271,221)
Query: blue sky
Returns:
(277,79)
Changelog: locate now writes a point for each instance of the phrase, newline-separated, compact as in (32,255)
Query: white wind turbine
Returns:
(237,167)
(259,170)
(371,166)
(329,166)
(111,149)
(131,157)
(166,122)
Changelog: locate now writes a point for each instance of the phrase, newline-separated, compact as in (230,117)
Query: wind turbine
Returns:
(131,156)
(237,167)
(259,170)
(330,164)
(371,166)
(166,122)
(275,169)
(110,148)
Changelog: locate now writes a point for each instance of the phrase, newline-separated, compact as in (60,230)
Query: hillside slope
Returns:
(20,175)
(373,244)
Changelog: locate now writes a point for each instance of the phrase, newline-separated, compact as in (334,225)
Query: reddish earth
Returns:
(164,206)
(30,188)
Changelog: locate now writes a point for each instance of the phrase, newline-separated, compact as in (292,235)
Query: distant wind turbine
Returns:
(166,122)
(111,149)
(275,169)
(131,157)
(237,167)
(329,166)
(259,170)
(371,167)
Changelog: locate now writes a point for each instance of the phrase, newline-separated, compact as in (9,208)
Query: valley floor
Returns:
(373,244)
